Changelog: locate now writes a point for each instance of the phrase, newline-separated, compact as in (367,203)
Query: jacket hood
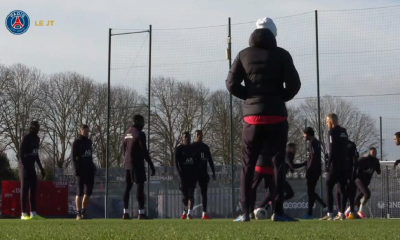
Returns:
(262,38)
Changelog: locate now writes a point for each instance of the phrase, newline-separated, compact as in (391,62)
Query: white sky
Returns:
(78,41)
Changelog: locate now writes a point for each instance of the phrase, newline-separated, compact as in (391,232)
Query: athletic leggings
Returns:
(332,178)
(139,195)
(203,189)
(28,181)
(363,191)
(312,195)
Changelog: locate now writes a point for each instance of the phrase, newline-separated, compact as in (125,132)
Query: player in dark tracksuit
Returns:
(352,159)
(186,165)
(202,154)
(336,167)
(28,156)
(291,166)
(136,152)
(85,169)
(314,170)
(365,168)
(270,80)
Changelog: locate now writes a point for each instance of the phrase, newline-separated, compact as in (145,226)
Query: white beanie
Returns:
(267,23)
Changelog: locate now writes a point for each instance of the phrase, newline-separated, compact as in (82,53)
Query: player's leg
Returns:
(256,181)
(203,183)
(89,184)
(32,196)
(343,195)
(78,198)
(330,184)
(251,147)
(270,187)
(364,192)
(190,192)
(312,196)
(288,190)
(185,197)
(24,193)
(128,187)
(338,197)
(140,198)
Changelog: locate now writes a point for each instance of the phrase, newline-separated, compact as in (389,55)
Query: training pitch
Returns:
(198,229)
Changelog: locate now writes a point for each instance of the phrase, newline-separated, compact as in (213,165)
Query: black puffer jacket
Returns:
(270,78)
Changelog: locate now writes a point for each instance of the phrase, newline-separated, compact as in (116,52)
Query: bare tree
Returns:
(20,92)
(360,126)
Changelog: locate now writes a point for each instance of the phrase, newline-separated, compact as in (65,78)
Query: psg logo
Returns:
(17,22)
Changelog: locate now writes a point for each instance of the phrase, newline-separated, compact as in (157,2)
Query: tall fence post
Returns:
(318,92)
(148,120)
(229,56)
(108,122)
(381,139)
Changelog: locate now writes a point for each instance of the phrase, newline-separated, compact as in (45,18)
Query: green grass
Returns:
(198,229)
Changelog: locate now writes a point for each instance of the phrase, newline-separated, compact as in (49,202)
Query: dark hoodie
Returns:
(265,69)
(135,150)
(82,158)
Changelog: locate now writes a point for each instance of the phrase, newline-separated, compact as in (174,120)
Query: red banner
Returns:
(51,198)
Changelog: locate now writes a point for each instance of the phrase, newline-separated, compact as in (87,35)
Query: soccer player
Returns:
(352,159)
(314,170)
(264,171)
(85,169)
(397,142)
(336,167)
(186,165)
(203,156)
(270,80)
(291,166)
(135,152)
(366,166)
(28,155)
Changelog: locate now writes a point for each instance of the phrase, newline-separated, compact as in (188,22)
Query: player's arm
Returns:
(23,150)
(290,77)
(235,78)
(145,152)
(177,160)
(75,156)
(332,146)
(210,161)
(396,163)
(378,167)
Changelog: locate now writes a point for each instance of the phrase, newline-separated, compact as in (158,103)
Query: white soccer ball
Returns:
(260,213)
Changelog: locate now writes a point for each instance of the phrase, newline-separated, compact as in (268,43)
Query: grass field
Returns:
(198,229)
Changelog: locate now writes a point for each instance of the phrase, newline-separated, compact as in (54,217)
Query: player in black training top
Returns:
(352,159)
(397,142)
(28,156)
(314,170)
(186,165)
(365,168)
(85,169)
(203,156)
(336,167)
(136,152)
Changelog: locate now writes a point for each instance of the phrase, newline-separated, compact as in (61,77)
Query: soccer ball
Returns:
(260,213)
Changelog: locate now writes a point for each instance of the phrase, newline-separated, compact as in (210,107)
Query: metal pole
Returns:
(148,118)
(381,140)
(305,125)
(318,93)
(387,192)
(108,122)
(54,154)
(231,122)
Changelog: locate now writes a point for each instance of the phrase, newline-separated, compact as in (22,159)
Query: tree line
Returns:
(61,102)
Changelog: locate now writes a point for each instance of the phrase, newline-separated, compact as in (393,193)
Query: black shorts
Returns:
(135,176)
(85,181)
(187,182)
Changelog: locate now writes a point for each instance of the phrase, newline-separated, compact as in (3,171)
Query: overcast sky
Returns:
(78,41)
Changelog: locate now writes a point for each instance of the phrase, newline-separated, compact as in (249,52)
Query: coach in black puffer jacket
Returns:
(270,80)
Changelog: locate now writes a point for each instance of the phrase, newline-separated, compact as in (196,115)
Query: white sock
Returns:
(360,210)
(348,210)
(204,213)
(126,210)
(24,214)
(189,212)
(141,211)
(33,214)
(184,212)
